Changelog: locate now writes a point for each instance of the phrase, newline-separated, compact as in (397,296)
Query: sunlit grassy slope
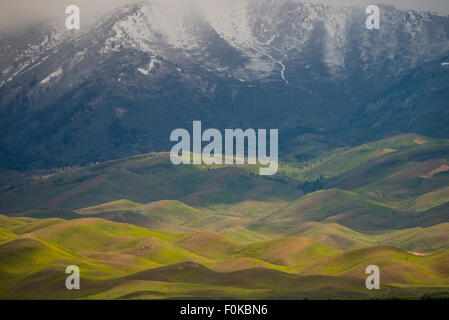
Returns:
(143,179)
(141,228)
(344,207)
(143,259)
(115,256)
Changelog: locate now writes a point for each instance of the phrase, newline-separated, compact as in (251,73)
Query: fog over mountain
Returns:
(119,86)
(16,13)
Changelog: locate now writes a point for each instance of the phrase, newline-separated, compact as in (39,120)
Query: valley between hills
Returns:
(141,228)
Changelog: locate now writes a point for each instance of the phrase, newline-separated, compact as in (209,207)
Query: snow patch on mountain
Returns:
(152,24)
(269,39)
(231,21)
(150,67)
(31,52)
(58,73)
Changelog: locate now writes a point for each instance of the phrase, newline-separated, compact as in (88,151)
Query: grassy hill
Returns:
(431,217)
(433,238)
(344,207)
(6,235)
(337,236)
(142,179)
(396,265)
(119,260)
(407,173)
(209,244)
(142,228)
(167,215)
(93,234)
(118,205)
(23,255)
(290,251)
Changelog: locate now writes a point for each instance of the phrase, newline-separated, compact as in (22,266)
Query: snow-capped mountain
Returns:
(118,86)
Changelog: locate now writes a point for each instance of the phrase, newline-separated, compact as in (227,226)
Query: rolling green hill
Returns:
(23,255)
(397,266)
(93,234)
(344,207)
(6,235)
(428,239)
(291,251)
(142,228)
(143,179)
(337,236)
(118,205)
(209,244)
(119,260)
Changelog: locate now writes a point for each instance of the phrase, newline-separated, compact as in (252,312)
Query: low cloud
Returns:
(19,13)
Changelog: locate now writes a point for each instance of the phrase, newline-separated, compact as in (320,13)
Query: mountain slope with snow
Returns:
(119,86)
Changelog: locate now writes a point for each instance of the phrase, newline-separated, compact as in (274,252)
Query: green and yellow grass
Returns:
(114,257)
(231,233)
(340,206)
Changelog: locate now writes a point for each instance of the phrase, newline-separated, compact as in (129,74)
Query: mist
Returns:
(20,13)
